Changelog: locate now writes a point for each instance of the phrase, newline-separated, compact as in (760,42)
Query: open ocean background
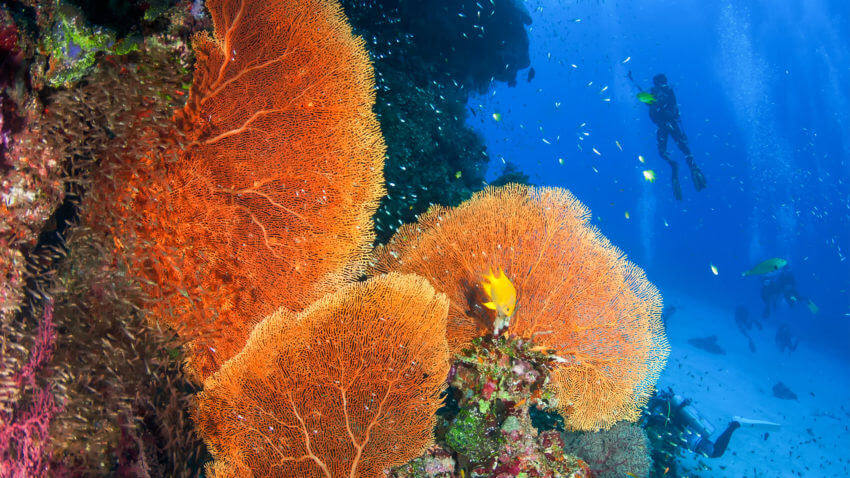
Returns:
(763,92)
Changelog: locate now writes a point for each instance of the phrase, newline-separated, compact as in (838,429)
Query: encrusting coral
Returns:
(485,430)
(346,388)
(267,200)
(619,451)
(577,295)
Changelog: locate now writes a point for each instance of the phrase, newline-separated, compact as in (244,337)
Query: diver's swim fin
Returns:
(750,422)
(677,189)
(696,174)
(699,179)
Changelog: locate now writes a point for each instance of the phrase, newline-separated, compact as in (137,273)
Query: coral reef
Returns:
(511,174)
(577,294)
(268,200)
(488,432)
(119,377)
(476,42)
(433,157)
(612,453)
(112,372)
(31,183)
(348,387)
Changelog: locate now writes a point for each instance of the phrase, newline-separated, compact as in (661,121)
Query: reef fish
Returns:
(765,267)
(645,97)
(502,294)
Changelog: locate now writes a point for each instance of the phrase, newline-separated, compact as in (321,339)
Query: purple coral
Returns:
(25,423)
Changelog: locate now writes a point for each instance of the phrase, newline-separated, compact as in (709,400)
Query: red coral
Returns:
(24,428)
(270,202)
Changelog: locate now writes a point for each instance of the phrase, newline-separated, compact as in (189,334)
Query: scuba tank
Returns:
(698,428)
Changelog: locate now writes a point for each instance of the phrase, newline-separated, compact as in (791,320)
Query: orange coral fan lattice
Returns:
(576,293)
(346,388)
(270,202)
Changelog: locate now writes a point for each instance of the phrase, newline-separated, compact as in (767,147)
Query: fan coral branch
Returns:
(346,388)
(269,203)
(576,293)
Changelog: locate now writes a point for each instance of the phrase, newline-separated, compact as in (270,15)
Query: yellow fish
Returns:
(497,117)
(649,175)
(764,267)
(812,307)
(502,294)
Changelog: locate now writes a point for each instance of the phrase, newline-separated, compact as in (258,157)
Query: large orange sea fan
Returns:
(576,293)
(269,202)
(346,388)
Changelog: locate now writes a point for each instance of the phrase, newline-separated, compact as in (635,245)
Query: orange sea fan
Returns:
(269,202)
(576,293)
(346,388)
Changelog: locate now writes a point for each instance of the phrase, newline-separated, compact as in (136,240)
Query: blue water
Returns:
(763,91)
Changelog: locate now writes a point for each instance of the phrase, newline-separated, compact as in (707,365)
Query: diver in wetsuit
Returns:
(673,425)
(664,112)
(782,285)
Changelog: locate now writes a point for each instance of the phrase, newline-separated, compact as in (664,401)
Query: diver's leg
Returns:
(661,140)
(682,142)
(723,440)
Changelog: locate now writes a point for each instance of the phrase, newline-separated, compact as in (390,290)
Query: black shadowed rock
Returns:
(709,344)
(780,390)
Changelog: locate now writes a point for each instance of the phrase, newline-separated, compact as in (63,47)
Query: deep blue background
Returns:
(763,89)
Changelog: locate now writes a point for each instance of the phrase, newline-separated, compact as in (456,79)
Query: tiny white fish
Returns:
(573,65)
(619,146)
(714,269)
(546,141)
(604,88)
(640,158)
(627,59)
(560,160)
(597,152)
(666,224)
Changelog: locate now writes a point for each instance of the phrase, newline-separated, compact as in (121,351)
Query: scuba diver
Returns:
(785,339)
(664,112)
(782,284)
(745,324)
(672,416)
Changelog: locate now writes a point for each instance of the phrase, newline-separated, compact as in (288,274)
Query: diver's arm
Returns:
(641,90)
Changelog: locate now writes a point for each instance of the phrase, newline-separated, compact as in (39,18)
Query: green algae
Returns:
(468,435)
(73,45)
